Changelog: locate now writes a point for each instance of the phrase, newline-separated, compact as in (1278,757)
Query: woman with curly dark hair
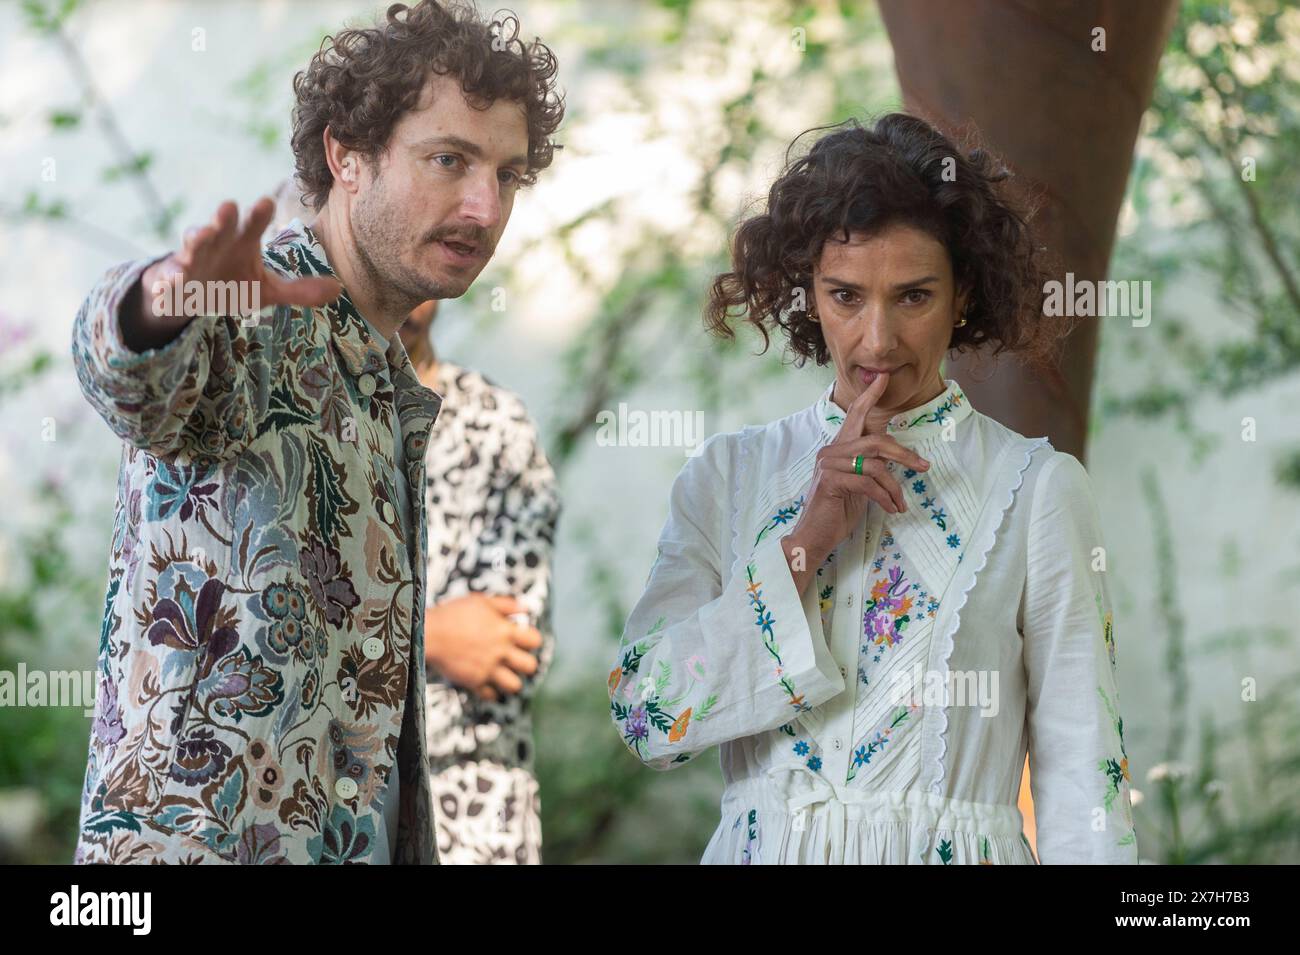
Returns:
(811,609)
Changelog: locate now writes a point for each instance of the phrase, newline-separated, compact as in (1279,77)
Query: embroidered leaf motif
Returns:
(665,674)
(765,623)
(632,659)
(865,750)
(945,852)
(751,838)
(783,516)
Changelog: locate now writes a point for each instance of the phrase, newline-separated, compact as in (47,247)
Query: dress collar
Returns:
(914,424)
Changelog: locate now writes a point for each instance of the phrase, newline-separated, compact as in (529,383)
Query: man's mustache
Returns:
(477,237)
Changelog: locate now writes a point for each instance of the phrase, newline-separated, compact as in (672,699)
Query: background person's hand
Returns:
(472,641)
(838,496)
(221,251)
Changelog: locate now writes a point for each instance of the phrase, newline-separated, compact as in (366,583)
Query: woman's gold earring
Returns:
(963,319)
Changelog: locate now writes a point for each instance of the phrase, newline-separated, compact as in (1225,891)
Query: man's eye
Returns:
(920,295)
(509,177)
(453,159)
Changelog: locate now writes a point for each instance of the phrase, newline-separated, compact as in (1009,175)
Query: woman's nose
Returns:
(878,333)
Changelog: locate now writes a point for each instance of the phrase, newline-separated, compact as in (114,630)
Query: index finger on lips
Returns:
(856,416)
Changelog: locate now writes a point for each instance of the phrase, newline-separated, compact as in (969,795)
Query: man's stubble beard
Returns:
(379,236)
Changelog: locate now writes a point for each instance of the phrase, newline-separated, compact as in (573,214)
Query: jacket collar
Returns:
(914,424)
(360,352)
(417,406)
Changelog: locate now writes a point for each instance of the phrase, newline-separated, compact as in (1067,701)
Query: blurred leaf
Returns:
(137,165)
(64,119)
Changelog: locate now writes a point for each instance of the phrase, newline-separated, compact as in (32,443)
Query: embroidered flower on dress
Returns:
(886,615)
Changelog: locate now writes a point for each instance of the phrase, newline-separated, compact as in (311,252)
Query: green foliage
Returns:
(1219,167)
(1214,190)
(49,16)
(43,748)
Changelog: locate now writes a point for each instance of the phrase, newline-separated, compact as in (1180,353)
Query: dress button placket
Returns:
(845,648)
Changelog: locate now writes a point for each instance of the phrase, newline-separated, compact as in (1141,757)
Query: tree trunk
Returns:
(1064,117)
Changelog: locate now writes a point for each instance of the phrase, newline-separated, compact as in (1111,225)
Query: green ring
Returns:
(857,464)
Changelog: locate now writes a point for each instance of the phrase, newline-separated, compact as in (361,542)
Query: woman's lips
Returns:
(869,376)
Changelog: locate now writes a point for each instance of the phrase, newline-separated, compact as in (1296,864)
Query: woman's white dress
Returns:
(884,717)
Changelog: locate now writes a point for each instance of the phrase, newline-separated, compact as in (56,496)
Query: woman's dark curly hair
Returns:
(860,180)
(362,80)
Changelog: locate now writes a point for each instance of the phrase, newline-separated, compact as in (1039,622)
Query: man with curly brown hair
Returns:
(261,669)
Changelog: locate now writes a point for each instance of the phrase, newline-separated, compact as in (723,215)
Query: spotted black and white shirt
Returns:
(492,506)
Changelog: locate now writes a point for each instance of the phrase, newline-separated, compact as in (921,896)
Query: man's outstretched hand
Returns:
(221,251)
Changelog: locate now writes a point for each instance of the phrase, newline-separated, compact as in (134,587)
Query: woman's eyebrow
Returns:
(912,283)
(845,283)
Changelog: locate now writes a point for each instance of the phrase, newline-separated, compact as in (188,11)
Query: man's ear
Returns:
(344,163)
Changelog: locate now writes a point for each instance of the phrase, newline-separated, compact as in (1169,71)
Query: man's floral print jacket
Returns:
(263,609)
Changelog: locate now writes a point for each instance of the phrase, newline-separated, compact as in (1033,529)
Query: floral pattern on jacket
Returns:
(263,608)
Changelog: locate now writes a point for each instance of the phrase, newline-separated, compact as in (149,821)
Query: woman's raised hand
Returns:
(840,490)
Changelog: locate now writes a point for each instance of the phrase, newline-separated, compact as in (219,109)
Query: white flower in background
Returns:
(1201,39)
(1135,797)
(1244,28)
(1166,771)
